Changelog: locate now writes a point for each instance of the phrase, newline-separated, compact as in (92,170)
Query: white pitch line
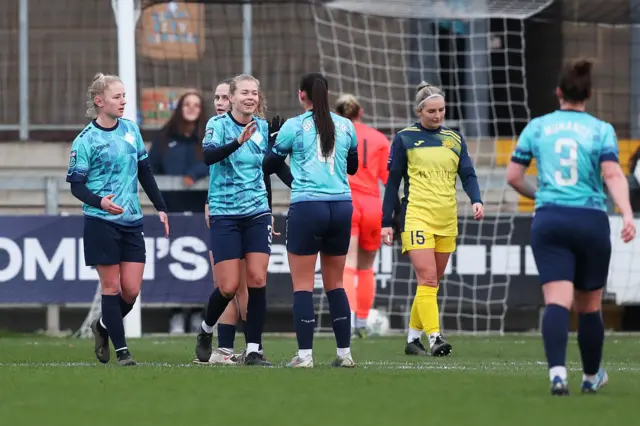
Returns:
(374,365)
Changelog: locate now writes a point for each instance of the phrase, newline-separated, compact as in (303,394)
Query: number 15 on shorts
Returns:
(412,240)
(417,238)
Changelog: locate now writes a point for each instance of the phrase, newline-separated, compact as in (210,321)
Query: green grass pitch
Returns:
(487,381)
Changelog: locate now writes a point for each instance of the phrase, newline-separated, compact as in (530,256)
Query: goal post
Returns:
(126,14)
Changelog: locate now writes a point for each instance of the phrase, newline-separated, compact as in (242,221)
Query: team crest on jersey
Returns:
(448,143)
(257,138)
(208,134)
(129,138)
(73,159)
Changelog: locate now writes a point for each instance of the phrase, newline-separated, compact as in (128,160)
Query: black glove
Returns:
(274,128)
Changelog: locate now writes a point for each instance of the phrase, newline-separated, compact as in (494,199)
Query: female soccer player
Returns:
(429,156)
(240,208)
(107,159)
(570,235)
(373,153)
(228,321)
(323,149)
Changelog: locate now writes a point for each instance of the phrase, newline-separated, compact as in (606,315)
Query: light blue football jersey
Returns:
(106,161)
(568,147)
(236,184)
(316,178)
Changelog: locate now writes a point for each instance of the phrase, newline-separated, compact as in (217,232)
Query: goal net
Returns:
(380,50)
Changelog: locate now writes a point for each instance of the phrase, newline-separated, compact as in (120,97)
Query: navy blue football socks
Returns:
(216,306)
(112,319)
(226,336)
(256,314)
(244,331)
(304,318)
(340,316)
(126,307)
(590,341)
(555,334)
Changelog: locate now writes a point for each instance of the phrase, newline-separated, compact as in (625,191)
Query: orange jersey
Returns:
(373,154)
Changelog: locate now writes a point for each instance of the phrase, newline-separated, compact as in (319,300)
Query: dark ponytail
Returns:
(316,87)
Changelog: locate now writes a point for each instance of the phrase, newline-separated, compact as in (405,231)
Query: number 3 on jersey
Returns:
(568,150)
(330,159)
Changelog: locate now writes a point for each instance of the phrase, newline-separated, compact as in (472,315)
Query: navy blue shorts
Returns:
(107,243)
(572,244)
(232,238)
(319,226)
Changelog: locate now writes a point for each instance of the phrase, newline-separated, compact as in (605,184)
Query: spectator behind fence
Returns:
(177,151)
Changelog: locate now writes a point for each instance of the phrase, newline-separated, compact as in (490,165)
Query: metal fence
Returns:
(49,52)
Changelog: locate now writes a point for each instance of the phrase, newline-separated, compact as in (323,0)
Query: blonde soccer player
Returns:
(429,156)
(227,324)
(373,153)
(241,224)
(107,160)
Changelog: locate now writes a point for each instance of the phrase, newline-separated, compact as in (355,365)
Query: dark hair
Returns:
(575,81)
(226,81)
(316,87)
(177,125)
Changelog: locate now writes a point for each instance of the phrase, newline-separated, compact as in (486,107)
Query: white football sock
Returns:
(559,371)
(305,353)
(207,328)
(342,352)
(413,335)
(432,338)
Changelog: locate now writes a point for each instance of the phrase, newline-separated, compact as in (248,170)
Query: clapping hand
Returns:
(247,132)
(274,128)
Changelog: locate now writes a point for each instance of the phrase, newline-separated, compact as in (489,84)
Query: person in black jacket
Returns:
(177,151)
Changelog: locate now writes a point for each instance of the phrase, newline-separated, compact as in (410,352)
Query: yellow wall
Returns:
(505,147)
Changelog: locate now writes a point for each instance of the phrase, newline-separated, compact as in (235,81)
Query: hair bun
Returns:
(98,76)
(582,67)
(422,85)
